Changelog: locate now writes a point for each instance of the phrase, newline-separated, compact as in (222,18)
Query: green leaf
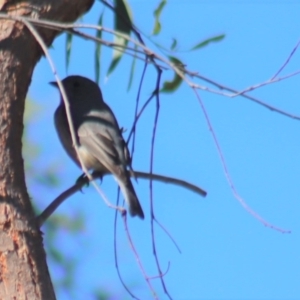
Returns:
(174,44)
(173,85)
(69,39)
(123,17)
(98,49)
(132,70)
(113,65)
(208,41)
(157,13)
(123,24)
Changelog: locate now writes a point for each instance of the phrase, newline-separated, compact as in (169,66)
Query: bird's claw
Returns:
(97,174)
(82,180)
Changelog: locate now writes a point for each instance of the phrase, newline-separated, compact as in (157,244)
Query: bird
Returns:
(98,135)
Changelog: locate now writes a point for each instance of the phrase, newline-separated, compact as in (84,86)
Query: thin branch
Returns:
(124,217)
(254,99)
(272,80)
(41,219)
(69,27)
(155,122)
(287,61)
(116,253)
(228,177)
(122,47)
(133,130)
(168,234)
(131,51)
(162,275)
(139,115)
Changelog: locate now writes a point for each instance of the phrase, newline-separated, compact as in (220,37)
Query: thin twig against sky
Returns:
(227,174)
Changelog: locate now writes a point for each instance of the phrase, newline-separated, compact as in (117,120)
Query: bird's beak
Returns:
(53,83)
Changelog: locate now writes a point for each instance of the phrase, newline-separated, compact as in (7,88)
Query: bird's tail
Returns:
(129,194)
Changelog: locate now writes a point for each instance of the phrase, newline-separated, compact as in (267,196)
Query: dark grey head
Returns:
(80,89)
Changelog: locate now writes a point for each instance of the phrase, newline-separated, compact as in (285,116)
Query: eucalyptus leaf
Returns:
(123,24)
(69,38)
(173,85)
(174,44)
(204,43)
(157,13)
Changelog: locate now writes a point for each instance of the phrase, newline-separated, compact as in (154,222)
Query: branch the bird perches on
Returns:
(41,219)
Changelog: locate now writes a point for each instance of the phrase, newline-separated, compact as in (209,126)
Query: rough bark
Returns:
(23,269)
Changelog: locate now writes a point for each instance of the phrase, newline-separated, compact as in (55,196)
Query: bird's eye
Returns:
(76,84)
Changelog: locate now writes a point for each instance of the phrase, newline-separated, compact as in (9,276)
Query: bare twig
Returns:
(155,122)
(79,185)
(116,253)
(139,115)
(254,99)
(133,129)
(287,61)
(228,177)
(147,278)
(164,274)
(272,80)
(42,218)
(168,234)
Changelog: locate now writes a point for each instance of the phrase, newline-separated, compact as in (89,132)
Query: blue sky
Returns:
(226,253)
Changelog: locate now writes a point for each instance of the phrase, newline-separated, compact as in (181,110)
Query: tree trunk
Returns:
(23,269)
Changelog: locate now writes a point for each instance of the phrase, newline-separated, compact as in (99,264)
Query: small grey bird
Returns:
(101,145)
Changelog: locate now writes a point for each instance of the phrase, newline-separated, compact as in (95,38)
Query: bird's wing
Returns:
(103,141)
